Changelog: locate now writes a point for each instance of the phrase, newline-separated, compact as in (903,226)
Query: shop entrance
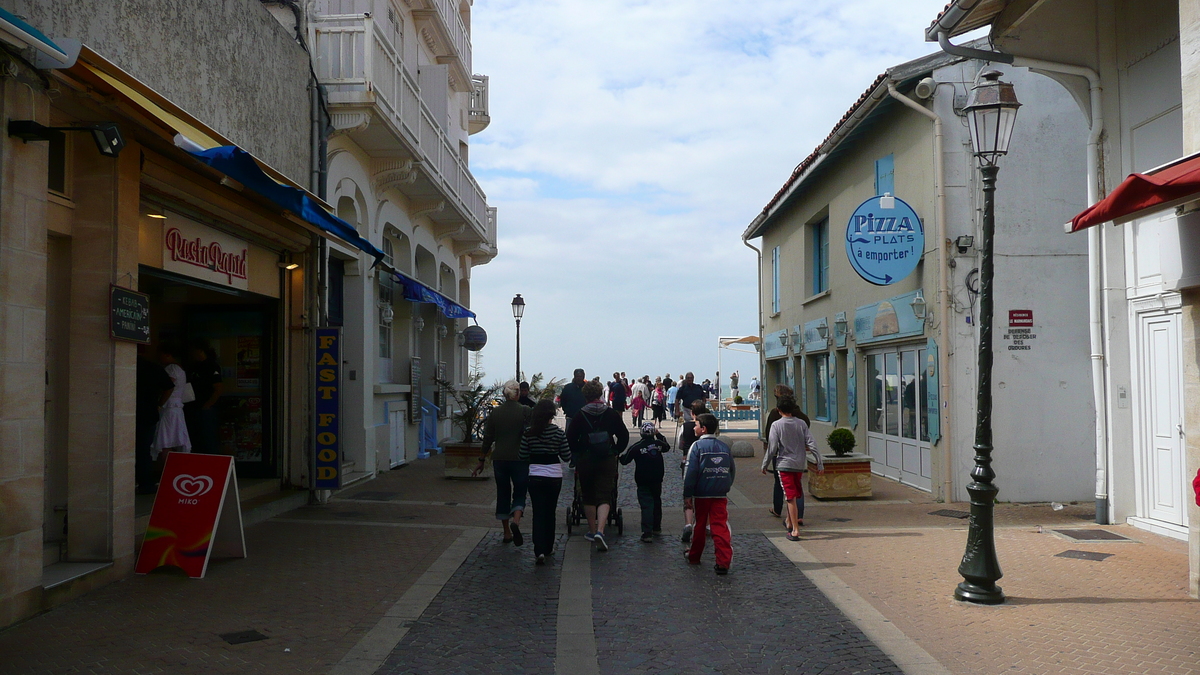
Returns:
(897,396)
(241,330)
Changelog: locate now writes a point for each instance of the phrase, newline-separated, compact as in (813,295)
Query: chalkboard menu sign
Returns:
(128,315)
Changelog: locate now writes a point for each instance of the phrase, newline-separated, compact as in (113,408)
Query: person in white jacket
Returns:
(788,447)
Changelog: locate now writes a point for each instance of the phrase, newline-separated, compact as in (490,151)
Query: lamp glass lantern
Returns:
(823,330)
(840,325)
(518,307)
(783,339)
(991,115)
(919,307)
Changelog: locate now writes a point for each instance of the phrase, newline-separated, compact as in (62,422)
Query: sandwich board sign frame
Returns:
(196,514)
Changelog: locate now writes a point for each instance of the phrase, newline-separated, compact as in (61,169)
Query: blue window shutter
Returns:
(885,175)
(833,390)
(775,280)
(825,255)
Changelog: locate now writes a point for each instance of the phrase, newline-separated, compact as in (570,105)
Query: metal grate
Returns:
(1084,555)
(242,636)
(839,520)
(1092,535)
(374,496)
(948,513)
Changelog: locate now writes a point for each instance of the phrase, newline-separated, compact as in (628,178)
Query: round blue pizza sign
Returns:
(884,240)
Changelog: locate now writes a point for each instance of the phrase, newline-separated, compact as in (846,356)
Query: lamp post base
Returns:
(991,594)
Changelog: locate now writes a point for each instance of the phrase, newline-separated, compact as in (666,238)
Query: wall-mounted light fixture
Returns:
(386,313)
(919,307)
(841,325)
(964,243)
(823,330)
(106,134)
(783,339)
(442,332)
(289,265)
(419,324)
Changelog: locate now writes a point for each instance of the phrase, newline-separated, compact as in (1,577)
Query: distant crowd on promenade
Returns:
(529,453)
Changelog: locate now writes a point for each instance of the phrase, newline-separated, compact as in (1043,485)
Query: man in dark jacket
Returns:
(689,392)
(710,474)
(571,397)
(617,394)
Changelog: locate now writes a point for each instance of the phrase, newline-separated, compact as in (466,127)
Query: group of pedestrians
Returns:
(528,451)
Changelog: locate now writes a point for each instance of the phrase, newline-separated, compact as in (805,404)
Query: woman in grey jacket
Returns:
(788,446)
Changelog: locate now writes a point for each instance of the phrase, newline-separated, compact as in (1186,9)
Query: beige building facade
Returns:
(212,257)
(893,359)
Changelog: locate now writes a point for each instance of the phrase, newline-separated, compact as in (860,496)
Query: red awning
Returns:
(1143,194)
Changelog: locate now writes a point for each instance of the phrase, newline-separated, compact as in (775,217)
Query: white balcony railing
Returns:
(478,117)
(351,54)
(459,36)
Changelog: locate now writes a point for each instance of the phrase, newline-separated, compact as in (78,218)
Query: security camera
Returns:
(106,135)
(925,88)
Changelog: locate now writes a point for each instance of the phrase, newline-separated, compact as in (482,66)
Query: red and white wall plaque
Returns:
(197,514)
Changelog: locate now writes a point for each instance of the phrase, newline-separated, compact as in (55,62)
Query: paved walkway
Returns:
(407,574)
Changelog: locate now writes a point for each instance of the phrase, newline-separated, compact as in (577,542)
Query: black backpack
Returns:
(599,441)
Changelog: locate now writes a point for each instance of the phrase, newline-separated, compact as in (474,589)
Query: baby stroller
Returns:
(575,514)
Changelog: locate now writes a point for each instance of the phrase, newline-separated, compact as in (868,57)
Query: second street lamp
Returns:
(992,113)
(518,305)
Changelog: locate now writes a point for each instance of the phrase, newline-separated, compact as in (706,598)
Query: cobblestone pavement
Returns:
(654,613)
(497,614)
(322,580)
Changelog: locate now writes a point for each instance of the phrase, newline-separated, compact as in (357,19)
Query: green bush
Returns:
(737,400)
(841,441)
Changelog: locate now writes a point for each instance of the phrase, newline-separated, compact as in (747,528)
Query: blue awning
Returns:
(419,292)
(240,166)
(19,29)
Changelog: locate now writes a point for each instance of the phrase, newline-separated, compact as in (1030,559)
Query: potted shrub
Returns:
(847,473)
(471,406)
(841,441)
(737,400)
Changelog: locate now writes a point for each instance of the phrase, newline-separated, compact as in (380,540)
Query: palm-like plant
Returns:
(474,402)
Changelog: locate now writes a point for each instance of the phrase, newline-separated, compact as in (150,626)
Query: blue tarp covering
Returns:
(419,292)
(32,32)
(240,166)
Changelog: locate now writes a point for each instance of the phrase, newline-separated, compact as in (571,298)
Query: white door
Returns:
(1162,478)
(396,429)
(897,437)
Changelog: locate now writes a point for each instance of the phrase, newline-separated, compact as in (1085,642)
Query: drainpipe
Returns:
(943,285)
(1097,302)
(762,375)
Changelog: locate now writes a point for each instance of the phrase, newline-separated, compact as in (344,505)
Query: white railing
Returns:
(479,96)
(351,54)
(459,37)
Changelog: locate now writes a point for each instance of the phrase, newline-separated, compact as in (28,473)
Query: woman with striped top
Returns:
(545,447)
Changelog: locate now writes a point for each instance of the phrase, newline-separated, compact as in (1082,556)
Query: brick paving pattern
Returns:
(497,614)
(654,613)
(313,590)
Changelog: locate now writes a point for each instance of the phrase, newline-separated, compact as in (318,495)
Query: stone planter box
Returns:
(846,477)
(461,460)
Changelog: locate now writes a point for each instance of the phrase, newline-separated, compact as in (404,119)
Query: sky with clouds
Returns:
(632,142)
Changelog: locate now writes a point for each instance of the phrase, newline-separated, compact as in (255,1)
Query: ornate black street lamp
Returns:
(518,305)
(992,112)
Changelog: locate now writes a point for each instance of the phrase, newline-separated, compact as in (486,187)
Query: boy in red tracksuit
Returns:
(709,477)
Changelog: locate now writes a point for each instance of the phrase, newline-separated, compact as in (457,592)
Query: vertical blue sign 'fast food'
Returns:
(327,469)
(884,240)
